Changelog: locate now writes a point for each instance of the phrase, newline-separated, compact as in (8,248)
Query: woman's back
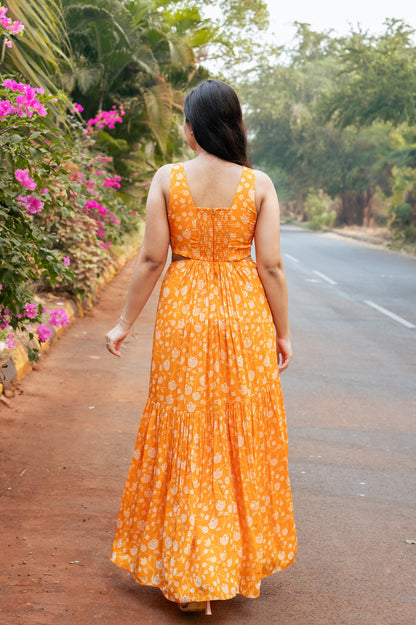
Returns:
(212,183)
(218,230)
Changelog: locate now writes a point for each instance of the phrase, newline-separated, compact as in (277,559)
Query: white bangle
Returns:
(124,321)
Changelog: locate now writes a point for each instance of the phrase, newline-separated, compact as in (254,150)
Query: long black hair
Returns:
(214,112)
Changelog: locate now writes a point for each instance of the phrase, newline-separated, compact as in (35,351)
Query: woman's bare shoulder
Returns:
(161,180)
(262,179)
(163,173)
(265,189)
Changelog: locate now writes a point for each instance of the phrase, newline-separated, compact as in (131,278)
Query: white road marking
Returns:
(295,260)
(324,277)
(390,314)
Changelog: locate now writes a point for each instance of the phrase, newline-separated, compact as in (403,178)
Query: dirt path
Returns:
(66,444)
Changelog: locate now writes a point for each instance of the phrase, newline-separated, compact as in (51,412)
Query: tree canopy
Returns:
(338,115)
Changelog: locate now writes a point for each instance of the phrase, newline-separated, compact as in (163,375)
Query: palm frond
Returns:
(44,49)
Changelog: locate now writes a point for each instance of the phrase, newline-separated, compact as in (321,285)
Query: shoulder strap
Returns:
(249,186)
(177,174)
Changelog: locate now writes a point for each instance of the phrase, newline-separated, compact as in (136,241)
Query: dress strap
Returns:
(247,189)
(177,182)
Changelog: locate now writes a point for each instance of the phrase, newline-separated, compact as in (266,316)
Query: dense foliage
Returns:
(75,165)
(335,118)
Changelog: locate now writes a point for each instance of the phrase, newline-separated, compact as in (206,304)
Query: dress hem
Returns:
(223,597)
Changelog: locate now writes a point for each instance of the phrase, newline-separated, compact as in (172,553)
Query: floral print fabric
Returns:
(207,508)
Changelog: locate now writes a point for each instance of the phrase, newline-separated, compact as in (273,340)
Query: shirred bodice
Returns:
(211,234)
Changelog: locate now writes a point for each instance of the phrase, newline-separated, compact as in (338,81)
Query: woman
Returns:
(207,508)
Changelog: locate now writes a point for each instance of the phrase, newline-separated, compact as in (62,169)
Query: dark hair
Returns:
(214,112)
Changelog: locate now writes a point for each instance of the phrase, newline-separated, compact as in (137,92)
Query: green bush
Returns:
(410,234)
(400,215)
(318,210)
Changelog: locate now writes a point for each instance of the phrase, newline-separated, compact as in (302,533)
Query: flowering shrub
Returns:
(56,318)
(57,203)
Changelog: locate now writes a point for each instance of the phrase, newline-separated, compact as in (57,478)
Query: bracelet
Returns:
(124,321)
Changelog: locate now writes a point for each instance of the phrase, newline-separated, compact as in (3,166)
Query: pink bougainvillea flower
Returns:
(58,318)
(6,108)
(13,27)
(11,341)
(27,104)
(92,204)
(67,261)
(43,333)
(16,27)
(112,182)
(31,310)
(1,288)
(22,176)
(31,203)
(8,43)
(43,191)
(134,212)
(107,118)
(77,108)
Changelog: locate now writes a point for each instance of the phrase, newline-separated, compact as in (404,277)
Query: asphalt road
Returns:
(67,439)
(351,402)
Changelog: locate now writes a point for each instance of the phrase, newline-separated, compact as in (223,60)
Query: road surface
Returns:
(67,441)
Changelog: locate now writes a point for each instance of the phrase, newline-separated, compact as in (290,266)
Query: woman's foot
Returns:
(196,606)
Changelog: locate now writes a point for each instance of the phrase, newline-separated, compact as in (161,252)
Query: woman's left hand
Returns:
(115,337)
(284,353)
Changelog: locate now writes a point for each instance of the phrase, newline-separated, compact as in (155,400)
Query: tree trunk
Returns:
(352,208)
(368,219)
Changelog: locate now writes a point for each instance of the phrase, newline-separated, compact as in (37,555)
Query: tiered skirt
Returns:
(207,508)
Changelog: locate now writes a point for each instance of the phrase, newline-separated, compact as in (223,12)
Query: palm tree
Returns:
(126,52)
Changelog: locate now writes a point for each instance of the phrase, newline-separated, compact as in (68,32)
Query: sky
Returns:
(339,16)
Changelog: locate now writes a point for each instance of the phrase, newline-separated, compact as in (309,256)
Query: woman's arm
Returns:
(270,265)
(150,262)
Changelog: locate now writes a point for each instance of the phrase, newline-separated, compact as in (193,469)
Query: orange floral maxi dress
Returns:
(207,508)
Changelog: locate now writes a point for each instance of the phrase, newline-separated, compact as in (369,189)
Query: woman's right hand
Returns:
(115,337)
(284,353)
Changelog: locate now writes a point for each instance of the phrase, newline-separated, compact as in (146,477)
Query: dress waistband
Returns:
(177,257)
